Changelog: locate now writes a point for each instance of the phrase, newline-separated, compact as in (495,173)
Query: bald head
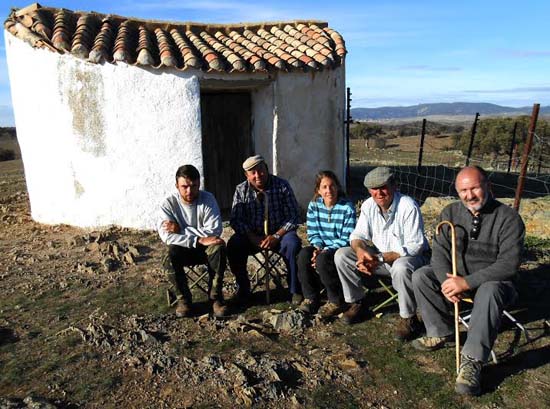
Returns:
(472,186)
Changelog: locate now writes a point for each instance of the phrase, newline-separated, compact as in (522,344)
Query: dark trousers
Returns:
(239,247)
(178,257)
(490,299)
(324,274)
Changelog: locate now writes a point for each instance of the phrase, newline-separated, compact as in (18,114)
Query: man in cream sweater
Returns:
(190,224)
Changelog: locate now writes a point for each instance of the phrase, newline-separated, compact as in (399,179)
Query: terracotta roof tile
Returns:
(103,43)
(101,38)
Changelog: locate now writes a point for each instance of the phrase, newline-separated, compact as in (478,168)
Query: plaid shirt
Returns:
(247,212)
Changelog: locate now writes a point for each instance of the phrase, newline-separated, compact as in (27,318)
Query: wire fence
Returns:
(435,176)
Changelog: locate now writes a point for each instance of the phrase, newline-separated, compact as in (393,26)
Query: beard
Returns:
(477,206)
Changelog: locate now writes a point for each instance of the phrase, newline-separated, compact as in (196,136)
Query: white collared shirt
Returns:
(402,232)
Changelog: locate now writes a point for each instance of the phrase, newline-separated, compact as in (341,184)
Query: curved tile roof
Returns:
(98,38)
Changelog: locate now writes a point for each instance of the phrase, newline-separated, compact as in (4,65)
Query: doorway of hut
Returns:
(226,143)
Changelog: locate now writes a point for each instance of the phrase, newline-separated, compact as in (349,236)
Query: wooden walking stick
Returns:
(266,251)
(453,258)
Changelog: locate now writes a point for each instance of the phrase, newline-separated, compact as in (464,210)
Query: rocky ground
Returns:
(84,323)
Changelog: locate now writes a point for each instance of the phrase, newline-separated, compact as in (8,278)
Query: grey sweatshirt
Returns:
(494,256)
(201,219)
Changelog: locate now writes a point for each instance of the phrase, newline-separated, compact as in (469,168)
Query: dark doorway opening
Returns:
(226,142)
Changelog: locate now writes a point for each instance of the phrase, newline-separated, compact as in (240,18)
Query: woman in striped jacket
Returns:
(330,221)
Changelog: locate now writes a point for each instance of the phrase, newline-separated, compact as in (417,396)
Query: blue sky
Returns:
(400,52)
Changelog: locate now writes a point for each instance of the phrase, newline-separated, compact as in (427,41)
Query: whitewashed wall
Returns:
(299,127)
(100,143)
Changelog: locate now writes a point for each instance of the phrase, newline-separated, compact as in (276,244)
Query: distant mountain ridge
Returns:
(443,108)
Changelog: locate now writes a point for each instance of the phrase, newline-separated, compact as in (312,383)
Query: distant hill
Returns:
(440,109)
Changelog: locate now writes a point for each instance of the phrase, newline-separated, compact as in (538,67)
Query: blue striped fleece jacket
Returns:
(330,229)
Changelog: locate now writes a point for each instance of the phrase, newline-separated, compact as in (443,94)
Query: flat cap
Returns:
(377,177)
(253,161)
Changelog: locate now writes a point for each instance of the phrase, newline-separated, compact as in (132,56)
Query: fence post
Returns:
(348,122)
(474,127)
(512,146)
(525,157)
(421,150)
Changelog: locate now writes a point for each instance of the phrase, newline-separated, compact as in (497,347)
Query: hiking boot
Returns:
(407,328)
(183,308)
(468,381)
(219,309)
(357,312)
(309,306)
(432,343)
(331,309)
(297,299)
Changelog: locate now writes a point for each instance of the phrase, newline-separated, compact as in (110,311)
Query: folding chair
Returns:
(392,299)
(197,277)
(464,318)
(271,267)
(386,287)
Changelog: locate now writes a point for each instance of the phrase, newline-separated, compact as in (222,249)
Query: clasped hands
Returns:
(173,227)
(316,252)
(366,263)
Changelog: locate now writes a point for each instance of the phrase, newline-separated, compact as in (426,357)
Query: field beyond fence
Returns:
(426,167)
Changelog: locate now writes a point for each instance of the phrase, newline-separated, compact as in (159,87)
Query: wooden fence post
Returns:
(474,128)
(525,157)
(421,150)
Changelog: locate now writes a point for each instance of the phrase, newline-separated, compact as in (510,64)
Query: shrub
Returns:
(6,154)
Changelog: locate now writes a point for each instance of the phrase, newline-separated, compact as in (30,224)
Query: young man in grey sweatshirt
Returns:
(191,225)
(489,244)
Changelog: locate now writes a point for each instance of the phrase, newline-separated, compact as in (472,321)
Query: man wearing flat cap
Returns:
(388,240)
(262,191)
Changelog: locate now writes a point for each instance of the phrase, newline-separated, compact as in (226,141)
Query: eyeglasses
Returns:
(476,226)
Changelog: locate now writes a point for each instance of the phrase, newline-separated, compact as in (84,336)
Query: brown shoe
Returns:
(219,309)
(331,309)
(309,305)
(183,308)
(432,343)
(407,328)
(356,312)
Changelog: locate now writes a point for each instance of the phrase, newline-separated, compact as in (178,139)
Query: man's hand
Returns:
(390,257)
(210,241)
(170,226)
(454,287)
(365,262)
(269,242)
(255,239)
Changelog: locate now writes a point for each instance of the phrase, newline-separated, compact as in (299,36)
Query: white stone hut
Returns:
(107,108)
